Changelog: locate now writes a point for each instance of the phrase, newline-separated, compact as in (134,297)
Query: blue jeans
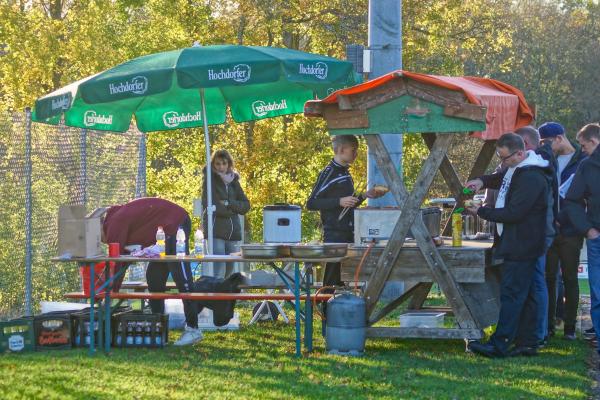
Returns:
(540,291)
(593,254)
(220,246)
(518,313)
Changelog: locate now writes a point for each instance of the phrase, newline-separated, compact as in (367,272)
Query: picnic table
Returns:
(298,285)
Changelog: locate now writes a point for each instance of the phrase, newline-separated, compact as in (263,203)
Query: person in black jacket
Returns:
(531,139)
(566,247)
(230,202)
(520,214)
(582,207)
(334,191)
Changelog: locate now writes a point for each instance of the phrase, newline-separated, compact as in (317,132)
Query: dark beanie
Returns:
(550,130)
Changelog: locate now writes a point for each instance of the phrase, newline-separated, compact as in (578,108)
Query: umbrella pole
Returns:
(209,203)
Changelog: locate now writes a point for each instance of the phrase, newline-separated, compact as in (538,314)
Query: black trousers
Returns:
(158,273)
(517,306)
(333,275)
(564,253)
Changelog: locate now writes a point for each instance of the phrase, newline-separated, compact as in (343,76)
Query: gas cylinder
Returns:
(346,325)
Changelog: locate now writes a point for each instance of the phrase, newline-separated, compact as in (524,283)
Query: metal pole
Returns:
(140,184)
(209,203)
(28,213)
(385,43)
(83,164)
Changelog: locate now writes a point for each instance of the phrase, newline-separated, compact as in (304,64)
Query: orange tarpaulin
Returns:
(507,109)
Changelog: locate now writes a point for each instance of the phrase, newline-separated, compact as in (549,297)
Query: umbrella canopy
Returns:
(193,87)
(161,90)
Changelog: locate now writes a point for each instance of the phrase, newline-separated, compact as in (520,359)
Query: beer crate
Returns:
(52,331)
(136,329)
(81,329)
(17,335)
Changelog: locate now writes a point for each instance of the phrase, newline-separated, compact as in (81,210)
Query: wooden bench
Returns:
(200,296)
(143,286)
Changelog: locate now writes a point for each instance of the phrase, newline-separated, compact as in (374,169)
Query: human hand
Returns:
(472,209)
(475,184)
(348,201)
(593,234)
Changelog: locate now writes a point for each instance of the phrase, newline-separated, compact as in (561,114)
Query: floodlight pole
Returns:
(209,204)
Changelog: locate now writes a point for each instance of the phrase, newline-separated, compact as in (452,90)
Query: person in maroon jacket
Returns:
(136,222)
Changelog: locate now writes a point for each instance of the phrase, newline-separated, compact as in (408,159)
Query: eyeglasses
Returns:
(507,157)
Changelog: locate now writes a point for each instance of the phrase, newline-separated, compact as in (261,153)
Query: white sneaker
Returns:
(189,336)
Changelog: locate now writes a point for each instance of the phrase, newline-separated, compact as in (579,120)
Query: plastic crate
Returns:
(422,320)
(17,335)
(136,329)
(80,328)
(52,331)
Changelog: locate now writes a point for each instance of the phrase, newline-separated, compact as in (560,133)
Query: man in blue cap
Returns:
(566,247)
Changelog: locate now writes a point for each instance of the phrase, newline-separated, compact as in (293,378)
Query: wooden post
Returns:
(410,205)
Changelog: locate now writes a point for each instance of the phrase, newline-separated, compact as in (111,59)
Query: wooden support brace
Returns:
(391,306)
(420,296)
(410,205)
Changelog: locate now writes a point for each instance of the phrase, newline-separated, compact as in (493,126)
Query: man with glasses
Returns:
(531,139)
(520,214)
(566,247)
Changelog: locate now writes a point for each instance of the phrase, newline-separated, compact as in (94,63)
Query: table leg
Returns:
(308,317)
(107,291)
(297,307)
(92,268)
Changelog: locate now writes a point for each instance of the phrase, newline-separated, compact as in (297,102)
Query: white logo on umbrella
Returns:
(172,119)
(16,343)
(61,103)
(319,70)
(91,118)
(137,85)
(261,108)
(239,73)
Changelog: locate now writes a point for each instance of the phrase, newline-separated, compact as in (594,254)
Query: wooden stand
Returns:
(464,275)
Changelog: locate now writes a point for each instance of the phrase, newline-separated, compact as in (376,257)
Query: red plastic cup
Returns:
(114,250)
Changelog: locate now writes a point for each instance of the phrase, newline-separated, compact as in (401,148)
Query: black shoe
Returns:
(527,351)
(484,349)
(589,333)
(570,333)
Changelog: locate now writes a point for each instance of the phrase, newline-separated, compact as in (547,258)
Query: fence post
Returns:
(83,164)
(140,184)
(28,212)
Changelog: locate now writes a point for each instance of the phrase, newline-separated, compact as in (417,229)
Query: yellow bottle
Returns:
(457,230)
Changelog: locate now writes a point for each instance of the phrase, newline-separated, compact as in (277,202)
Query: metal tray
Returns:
(319,250)
(257,250)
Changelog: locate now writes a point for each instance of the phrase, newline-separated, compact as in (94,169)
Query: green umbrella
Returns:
(193,87)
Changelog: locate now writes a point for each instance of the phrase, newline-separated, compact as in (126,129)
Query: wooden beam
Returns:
(466,110)
(483,159)
(426,333)
(392,305)
(337,119)
(410,207)
(448,172)
(416,302)
(409,204)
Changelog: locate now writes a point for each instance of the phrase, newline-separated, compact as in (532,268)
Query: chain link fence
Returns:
(54,165)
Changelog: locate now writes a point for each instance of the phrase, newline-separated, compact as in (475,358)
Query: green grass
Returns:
(584,287)
(258,362)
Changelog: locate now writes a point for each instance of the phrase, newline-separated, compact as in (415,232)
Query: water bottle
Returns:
(180,247)
(199,244)
(160,240)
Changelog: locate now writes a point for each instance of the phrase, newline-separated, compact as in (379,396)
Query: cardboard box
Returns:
(78,235)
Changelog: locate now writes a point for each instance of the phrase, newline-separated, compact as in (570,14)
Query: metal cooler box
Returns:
(282,223)
(374,223)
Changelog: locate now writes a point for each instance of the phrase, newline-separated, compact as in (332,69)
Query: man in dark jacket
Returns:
(332,193)
(582,206)
(521,215)
(531,139)
(136,222)
(566,247)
